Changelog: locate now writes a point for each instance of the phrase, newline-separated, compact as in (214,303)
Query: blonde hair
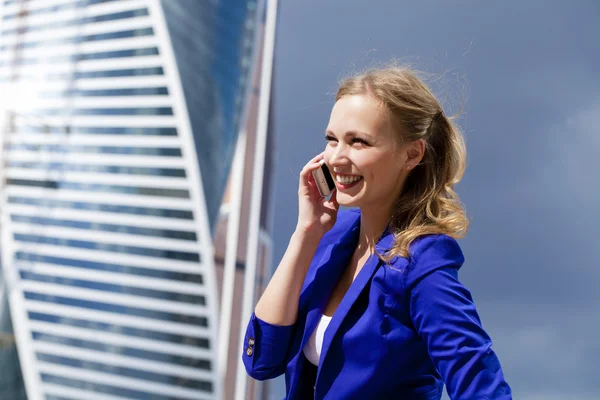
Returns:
(428,203)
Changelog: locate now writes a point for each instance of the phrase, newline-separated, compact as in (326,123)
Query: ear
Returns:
(414,153)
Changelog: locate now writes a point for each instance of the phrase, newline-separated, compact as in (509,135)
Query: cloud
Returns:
(532,124)
(534,271)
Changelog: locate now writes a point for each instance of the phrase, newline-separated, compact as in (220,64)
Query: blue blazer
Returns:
(400,332)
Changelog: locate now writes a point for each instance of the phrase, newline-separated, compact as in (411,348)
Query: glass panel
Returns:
(102,266)
(96,387)
(118,309)
(89,187)
(123,330)
(116,248)
(128,372)
(223,37)
(112,208)
(50,397)
(125,351)
(104,111)
(112,288)
(149,51)
(107,169)
(11,376)
(81,39)
(80,21)
(135,230)
(153,91)
(111,73)
(55,148)
(60,7)
(98,130)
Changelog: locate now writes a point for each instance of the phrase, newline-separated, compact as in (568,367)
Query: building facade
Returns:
(118,135)
(11,378)
(255,390)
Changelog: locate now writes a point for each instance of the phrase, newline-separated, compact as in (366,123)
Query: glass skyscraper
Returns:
(119,120)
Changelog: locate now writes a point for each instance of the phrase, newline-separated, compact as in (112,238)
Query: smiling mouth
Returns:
(347,181)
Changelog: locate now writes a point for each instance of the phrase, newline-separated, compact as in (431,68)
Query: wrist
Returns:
(307,236)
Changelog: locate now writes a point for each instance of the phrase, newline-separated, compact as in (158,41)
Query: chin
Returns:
(348,201)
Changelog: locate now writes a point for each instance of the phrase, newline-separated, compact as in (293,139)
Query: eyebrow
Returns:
(351,133)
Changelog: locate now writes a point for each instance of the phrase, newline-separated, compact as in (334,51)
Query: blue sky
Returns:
(528,73)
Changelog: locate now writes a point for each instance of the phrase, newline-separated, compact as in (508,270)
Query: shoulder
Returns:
(429,253)
(435,248)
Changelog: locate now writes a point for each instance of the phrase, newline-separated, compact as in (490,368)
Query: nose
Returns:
(339,156)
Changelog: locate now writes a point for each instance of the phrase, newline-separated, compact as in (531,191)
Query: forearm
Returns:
(279,303)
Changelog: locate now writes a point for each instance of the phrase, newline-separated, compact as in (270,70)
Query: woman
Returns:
(366,303)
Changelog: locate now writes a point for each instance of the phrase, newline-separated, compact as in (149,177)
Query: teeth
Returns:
(345,180)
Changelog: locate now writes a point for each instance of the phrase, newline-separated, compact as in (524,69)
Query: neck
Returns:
(373,222)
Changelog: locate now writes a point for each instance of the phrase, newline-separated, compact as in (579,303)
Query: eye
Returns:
(329,138)
(359,140)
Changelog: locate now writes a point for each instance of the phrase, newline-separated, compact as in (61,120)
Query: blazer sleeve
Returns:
(266,348)
(445,317)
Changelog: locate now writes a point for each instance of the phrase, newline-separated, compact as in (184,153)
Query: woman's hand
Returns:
(278,304)
(315,214)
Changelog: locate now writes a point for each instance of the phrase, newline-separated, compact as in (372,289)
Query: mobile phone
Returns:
(323,179)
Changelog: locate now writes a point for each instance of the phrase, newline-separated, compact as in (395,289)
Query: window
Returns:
(112,208)
(164,131)
(107,169)
(82,39)
(123,330)
(154,91)
(115,248)
(118,309)
(134,230)
(81,21)
(128,372)
(112,288)
(105,111)
(149,51)
(113,73)
(22,257)
(89,187)
(56,8)
(126,351)
(55,148)
(100,388)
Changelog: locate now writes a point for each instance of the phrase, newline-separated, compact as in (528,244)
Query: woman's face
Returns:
(364,154)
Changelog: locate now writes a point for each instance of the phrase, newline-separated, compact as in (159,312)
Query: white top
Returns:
(312,349)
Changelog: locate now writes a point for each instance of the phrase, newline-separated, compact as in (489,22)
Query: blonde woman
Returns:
(366,303)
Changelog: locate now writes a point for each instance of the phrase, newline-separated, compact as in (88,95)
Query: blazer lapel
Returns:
(357,286)
(332,264)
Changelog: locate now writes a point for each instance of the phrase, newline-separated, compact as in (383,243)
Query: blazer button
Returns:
(249,351)
(251,341)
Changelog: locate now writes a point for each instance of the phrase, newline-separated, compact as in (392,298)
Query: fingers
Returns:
(305,174)
(308,168)
(317,158)
(314,161)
